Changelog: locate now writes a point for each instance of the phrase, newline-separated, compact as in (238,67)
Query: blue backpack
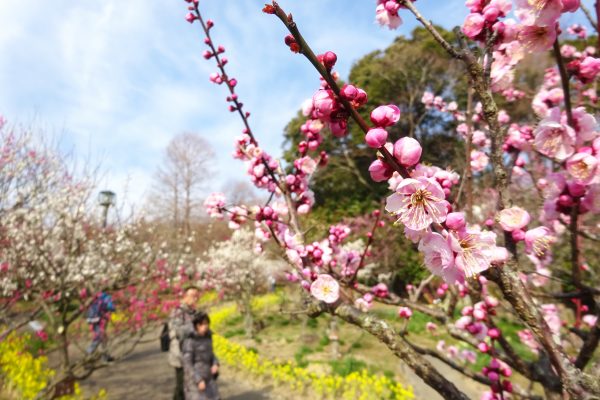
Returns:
(102,305)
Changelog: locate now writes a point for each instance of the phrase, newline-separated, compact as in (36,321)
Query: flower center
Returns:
(541,246)
(580,170)
(419,198)
(538,4)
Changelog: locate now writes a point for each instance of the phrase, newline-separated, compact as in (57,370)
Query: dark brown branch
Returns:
(564,78)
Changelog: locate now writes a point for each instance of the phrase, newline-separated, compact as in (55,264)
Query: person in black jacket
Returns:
(200,366)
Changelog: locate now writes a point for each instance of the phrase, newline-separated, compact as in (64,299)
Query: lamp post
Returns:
(106,198)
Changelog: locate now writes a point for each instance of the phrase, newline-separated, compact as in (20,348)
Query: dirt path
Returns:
(146,375)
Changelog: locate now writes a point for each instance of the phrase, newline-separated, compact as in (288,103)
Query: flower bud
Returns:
(329,59)
(380,171)
(407,151)
(455,221)
(384,116)
(349,92)
(376,137)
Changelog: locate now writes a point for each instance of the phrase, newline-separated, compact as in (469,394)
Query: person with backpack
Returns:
(98,315)
(200,365)
(180,327)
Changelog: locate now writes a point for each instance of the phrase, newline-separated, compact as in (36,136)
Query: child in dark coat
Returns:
(200,366)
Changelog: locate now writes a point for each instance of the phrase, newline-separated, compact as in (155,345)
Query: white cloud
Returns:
(123,77)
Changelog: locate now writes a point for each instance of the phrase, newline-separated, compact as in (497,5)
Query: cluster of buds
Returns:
(386,13)
(485,16)
(337,233)
(312,129)
(496,371)
(214,205)
(473,321)
(430,101)
(260,170)
(266,215)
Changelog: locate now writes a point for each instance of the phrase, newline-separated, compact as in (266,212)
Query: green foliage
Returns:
(347,365)
(301,354)
(234,332)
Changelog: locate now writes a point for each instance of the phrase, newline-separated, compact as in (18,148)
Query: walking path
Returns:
(146,375)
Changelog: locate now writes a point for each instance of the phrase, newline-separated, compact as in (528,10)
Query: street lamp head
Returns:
(106,198)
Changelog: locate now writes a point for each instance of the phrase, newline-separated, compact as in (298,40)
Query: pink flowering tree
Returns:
(486,234)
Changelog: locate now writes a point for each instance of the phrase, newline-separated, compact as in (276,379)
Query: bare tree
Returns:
(184,171)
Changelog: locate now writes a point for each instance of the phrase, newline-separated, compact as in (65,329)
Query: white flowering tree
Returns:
(55,257)
(235,267)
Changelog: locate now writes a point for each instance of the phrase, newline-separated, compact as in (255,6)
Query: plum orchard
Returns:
(472,250)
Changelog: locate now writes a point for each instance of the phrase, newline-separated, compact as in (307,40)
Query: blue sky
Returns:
(116,79)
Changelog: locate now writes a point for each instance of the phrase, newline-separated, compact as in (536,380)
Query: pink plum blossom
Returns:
(537,39)
(439,257)
(538,241)
(418,203)
(554,139)
(538,12)
(473,25)
(385,17)
(325,288)
(479,160)
(513,218)
(583,167)
(475,250)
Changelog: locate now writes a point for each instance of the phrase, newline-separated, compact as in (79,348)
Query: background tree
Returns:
(185,169)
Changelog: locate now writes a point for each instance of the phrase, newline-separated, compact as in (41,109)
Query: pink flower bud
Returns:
(407,151)
(376,137)
(455,221)
(491,13)
(493,376)
(207,54)
(518,235)
(384,116)
(576,189)
(404,312)
(380,171)
(494,333)
(339,128)
(483,347)
(570,5)
(513,218)
(329,59)
(190,17)
(349,92)
(361,98)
